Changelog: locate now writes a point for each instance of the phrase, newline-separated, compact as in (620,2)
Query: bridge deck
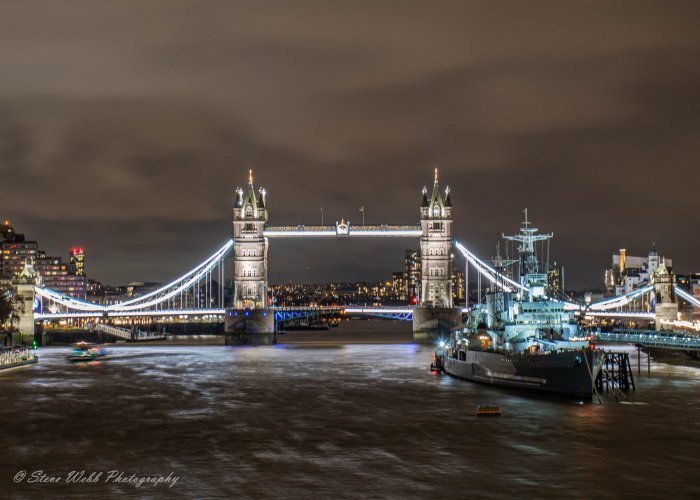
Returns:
(385,230)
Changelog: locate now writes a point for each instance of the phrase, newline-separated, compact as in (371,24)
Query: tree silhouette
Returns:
(5,305)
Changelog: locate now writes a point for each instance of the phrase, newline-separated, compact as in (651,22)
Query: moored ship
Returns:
(522,338)
(566,373)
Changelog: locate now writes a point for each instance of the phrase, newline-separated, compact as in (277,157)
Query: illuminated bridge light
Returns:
(344,230)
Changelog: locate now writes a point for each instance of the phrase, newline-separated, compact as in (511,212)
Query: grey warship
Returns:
(523,338)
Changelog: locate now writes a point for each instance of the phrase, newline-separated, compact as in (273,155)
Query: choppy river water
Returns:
(333,421)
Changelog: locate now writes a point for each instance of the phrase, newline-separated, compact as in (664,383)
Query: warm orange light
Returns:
(623,252)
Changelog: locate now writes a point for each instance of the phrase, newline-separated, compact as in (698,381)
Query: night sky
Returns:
(126,127)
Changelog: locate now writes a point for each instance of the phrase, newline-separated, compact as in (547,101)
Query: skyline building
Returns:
(412,271)
(53,271)
(77,260)
(555,280)
(628,272)
(458,286)
(399,284)
(16,250)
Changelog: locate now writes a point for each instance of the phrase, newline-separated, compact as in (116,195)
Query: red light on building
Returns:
(77,260)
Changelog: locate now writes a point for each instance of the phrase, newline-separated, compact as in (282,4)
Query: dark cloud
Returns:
(126,126)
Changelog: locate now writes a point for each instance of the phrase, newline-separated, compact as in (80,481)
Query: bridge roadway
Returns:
(281,313)
(647,338)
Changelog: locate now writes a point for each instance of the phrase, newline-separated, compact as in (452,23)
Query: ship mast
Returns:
(500,264)
(526,247)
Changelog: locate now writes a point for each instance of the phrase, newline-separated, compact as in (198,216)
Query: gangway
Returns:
(127,334)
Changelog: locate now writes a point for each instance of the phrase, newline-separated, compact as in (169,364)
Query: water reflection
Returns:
(354,420)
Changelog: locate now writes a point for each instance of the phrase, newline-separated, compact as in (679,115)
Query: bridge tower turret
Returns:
(248,321)
(435,314)
(666,308)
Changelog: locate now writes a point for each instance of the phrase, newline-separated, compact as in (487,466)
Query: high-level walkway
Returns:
(651,338)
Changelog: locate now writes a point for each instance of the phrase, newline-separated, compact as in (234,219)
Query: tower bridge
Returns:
(249,319)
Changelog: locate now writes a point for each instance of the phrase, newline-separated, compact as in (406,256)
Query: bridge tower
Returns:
(248,321)
(666,308)
(435,314)
(23,302)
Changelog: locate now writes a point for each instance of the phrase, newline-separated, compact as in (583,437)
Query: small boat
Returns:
(84,351)
(438,364)
(78,356)
(491,411)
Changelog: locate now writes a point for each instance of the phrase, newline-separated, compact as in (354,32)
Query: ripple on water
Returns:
(357,420)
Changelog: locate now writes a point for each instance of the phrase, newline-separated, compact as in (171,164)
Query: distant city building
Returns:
(55,274)
(399,284)
(16,250)
(412,270)
(458,286)
(555,280)
(690,283)
(77,260)
(105,294)
(629,272)
(140,288)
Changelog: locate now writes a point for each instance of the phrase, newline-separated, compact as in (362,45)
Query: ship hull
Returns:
(570,373)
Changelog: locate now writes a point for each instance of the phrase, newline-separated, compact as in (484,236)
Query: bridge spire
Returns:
(250,176)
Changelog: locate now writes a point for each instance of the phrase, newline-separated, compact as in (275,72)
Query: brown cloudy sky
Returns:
(126,126)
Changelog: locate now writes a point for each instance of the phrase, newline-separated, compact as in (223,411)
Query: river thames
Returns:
(334,420)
